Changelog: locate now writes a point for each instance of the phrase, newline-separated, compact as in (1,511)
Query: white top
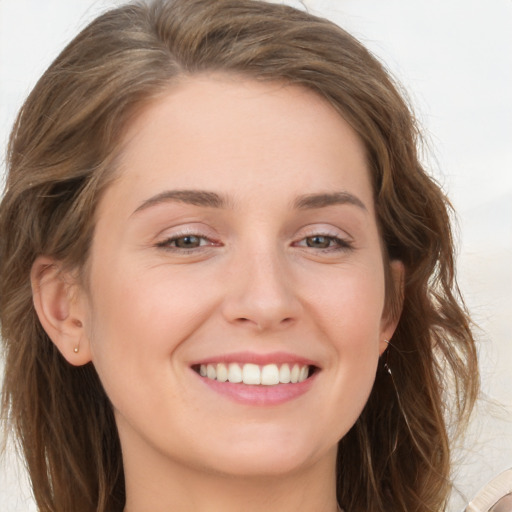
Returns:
(496,496)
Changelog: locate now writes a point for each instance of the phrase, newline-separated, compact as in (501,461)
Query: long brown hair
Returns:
(61,156)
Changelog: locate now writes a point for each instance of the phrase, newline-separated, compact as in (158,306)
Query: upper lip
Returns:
(256,358)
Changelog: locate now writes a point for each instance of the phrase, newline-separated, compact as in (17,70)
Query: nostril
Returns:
(263,324)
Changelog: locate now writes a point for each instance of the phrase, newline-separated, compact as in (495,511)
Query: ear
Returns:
(60,305)
(394,306)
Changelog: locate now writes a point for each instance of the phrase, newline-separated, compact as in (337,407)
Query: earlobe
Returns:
(60,309)
(394,306)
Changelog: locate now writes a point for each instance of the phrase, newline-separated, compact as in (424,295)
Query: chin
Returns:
(267,456)
(263,466)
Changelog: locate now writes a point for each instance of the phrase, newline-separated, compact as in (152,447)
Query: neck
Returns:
(164,486)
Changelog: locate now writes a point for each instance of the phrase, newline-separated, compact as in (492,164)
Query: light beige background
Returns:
(455,59)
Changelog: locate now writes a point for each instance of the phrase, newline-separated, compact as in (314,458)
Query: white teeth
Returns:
(211,373)
(270,375)
(234,373)
(253,374)
(284,374)
(303,375)
(222,373)
(294,376)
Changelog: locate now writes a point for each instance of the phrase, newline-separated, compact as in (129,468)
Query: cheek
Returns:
(349,312)
(144,315)
(350,304)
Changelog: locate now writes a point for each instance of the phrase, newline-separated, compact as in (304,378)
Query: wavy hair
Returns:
(61,157)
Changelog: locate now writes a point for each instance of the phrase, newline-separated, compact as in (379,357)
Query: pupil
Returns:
(188,241)
(319,242)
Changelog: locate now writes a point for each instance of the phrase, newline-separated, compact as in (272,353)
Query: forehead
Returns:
(223,133)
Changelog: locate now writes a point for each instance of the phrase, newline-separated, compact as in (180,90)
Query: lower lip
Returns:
(259,395)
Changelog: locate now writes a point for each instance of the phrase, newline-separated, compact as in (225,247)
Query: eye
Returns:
(185,242)
(319,241)
(324,242)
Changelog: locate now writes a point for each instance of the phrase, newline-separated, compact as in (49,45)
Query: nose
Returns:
(261,293)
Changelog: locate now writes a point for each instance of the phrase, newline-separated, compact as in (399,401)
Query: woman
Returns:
(227,282)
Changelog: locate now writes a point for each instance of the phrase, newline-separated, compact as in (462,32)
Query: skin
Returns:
(259,281)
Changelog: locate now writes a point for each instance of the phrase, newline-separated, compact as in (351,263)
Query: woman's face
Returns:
(240,241)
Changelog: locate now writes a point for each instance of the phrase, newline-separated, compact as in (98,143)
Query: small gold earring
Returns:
(78,324)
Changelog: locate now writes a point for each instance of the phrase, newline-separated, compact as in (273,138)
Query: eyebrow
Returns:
(312,201)
(194,197)
(213,200)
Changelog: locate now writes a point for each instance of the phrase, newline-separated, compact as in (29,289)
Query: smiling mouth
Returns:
(256,375)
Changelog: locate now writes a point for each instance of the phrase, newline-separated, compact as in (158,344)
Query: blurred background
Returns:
(455,60)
